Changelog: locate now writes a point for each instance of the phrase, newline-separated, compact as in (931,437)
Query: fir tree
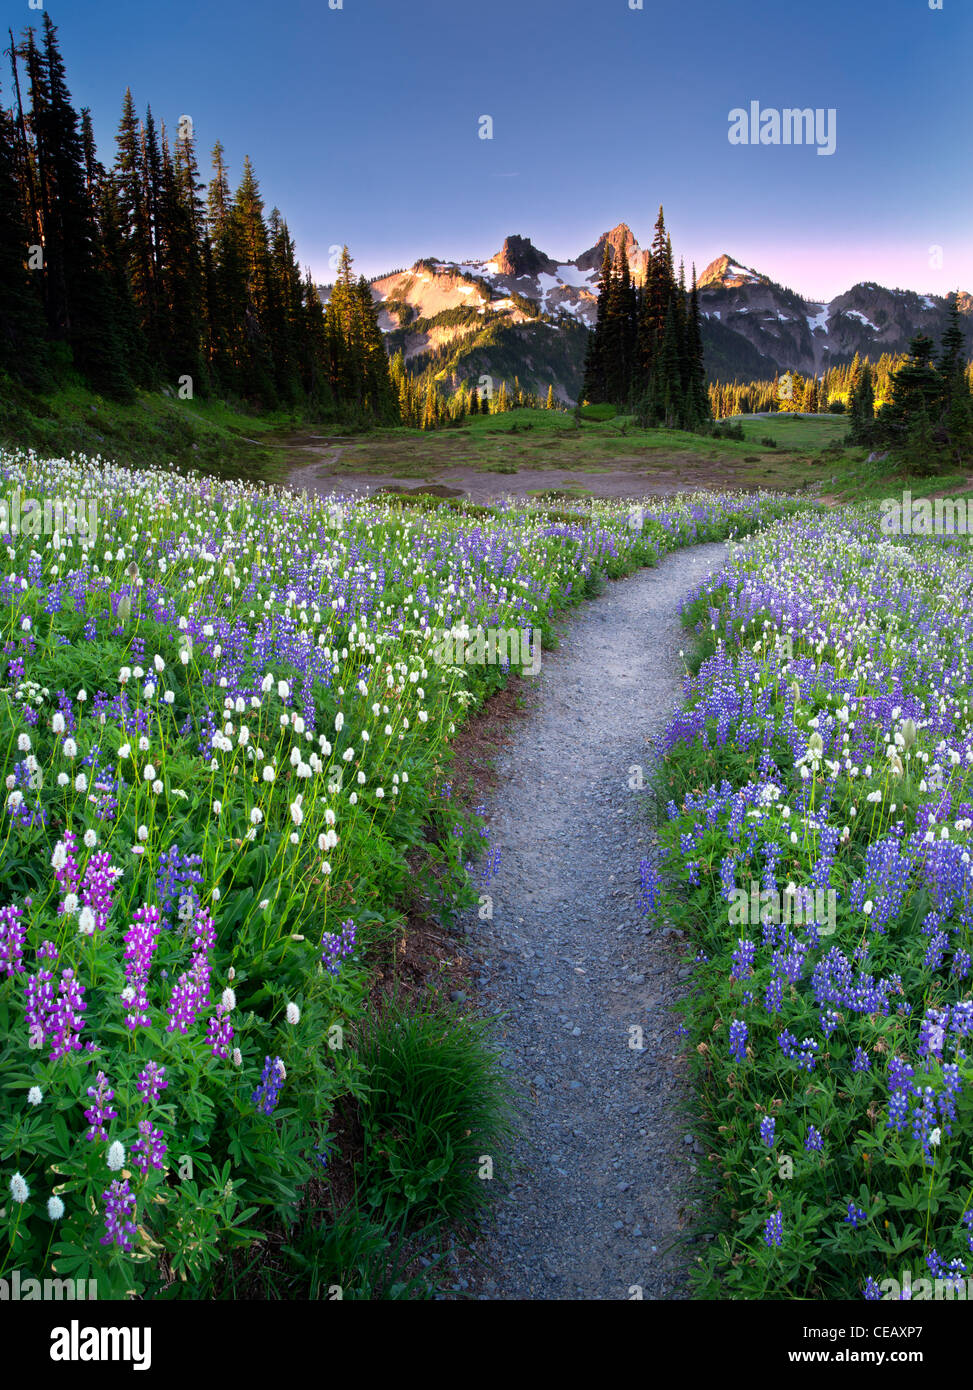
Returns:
(23,347)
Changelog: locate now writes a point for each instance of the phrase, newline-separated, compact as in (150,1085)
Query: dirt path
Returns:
(596,1208)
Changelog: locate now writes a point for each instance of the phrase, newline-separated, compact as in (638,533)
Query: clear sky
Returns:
(362,123)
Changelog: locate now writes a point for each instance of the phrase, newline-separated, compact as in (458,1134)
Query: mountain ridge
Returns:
(441,312)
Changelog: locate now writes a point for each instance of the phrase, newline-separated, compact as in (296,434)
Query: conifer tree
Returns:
(23,346)
(80,306)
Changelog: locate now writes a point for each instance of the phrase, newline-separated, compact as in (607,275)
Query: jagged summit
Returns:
(519,256)
(726,272)
(620,239)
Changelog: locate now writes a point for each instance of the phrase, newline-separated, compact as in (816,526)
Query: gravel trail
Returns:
(604,1169)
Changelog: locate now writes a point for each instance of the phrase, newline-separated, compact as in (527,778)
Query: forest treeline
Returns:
(138,274)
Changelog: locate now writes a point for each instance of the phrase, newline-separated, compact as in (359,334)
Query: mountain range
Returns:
(523,313)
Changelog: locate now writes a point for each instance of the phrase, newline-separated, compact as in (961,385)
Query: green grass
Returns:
(436,1119)
(152,430)
(794,431)
(540,439)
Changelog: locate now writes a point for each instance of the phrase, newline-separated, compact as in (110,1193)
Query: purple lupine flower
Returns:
(767,1127)
(862,1061)
(855,1216)
(190,995)
(176,882)
(872,1290)
(742,962)
(898,1110)
(219,1032)
(100,1112)
(151,1082)
(13,932)
(140,943)
(148,1150)
(961,1018)
(802,1053)
(932,1032)
(39,1005)
(829,1022)
(651,894)
(67,1019)
(266,1095)
(47,951)
(336,947)
(738,1040)
(962,962)
(774,1230)
(813,1142)
(119,1202)
(774,997)
(98,885)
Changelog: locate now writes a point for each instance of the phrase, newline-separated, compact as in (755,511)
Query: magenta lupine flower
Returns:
(47,951)
(148,1150)
(39,1005)
(140,943)
(190,994)
(64,862)
(119,1202)
(98,886)
(219,1032)
(13,931)
(151,1082)
(100,1112)
(68,1017)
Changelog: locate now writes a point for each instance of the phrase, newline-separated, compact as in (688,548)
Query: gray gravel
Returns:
(603,1176)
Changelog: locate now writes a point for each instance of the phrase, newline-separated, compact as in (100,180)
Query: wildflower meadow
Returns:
(224,741)
(826,744)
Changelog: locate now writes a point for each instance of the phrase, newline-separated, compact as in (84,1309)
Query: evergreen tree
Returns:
(861,407)
(697,398)
(23,346)
(80,306)
(594,368)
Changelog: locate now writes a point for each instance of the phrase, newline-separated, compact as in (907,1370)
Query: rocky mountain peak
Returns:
(727,273)
(519,256)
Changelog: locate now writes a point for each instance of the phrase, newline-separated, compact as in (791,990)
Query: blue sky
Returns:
(362,123)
